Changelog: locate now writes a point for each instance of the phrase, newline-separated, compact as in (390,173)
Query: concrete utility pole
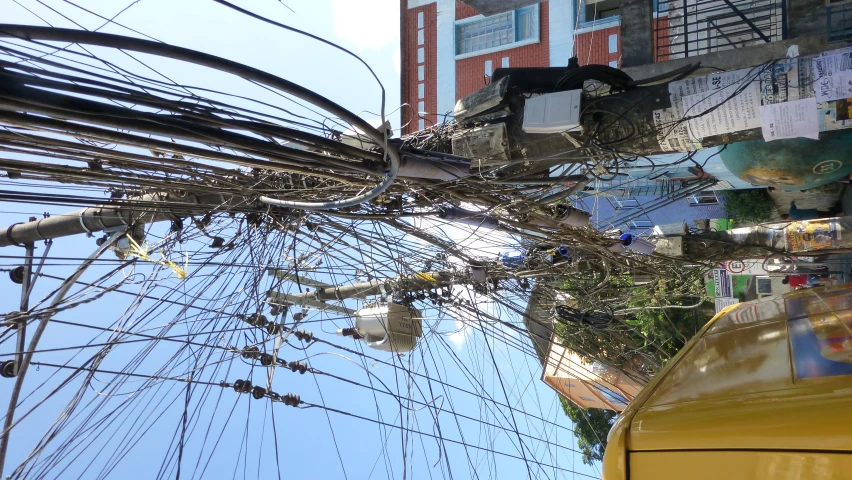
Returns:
(784,100)
(150,208)
(809,237)
(719,108)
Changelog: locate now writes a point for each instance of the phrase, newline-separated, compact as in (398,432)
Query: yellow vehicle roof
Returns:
(769,375)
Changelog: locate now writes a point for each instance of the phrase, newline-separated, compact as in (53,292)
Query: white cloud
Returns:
(397,60)
(460,335)
(366,24)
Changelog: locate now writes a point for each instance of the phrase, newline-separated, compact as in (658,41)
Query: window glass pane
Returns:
(612,397)
(599,368)
(488,68)
(489,32)
(421,125)
(421,107)
(421,55)
(707,197)
(620,203)
(526,21)
(421,73)
(419,19)
(613,43)
(421,90)
(505,62)
(420,37)
(642,222)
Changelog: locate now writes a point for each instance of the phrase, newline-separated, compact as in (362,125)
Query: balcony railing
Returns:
(698,27)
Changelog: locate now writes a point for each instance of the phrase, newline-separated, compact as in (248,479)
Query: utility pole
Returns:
(824,236)
(403,283)
(129,213)
(667,114)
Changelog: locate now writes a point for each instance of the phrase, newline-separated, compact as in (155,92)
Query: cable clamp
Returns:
(83,224)
(9,235)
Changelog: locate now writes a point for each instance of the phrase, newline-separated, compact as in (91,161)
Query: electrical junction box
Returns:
(670,229)
(552,112)
(669,246)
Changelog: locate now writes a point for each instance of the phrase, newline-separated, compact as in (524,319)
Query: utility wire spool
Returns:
(391,327)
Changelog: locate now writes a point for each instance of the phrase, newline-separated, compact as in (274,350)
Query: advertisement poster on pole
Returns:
(812,235)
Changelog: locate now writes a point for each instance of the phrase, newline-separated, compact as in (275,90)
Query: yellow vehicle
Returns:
(764,391)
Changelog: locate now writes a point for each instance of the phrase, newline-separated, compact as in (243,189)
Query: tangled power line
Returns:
(178,356)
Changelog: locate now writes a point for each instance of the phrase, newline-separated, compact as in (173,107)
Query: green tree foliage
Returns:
(591,427)
(649,333)
(750,205)
(645,334)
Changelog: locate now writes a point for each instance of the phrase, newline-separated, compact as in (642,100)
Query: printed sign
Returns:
(790,120)
(722,102)
(833,76)
(812,235)
(729,109)
(722,282)
(735,266)
(721,303)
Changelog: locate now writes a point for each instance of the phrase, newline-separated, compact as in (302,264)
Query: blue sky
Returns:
(310,443)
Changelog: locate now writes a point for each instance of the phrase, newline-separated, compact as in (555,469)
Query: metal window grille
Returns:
(839,20)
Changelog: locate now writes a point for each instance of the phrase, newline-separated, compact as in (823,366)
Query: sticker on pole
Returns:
(812,235)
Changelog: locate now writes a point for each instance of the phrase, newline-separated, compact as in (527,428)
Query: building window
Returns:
(504,63)
(613,64)
(599,368)
(624,203)
(421,73)
(421,55)
(612,397)
(419,19)
(641,222)
(420,37)
(587,399)
(421,124)
(613,43)
(592,11)
(421,108)
(497,32)
(707,197)
(489,69)
(421,90)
